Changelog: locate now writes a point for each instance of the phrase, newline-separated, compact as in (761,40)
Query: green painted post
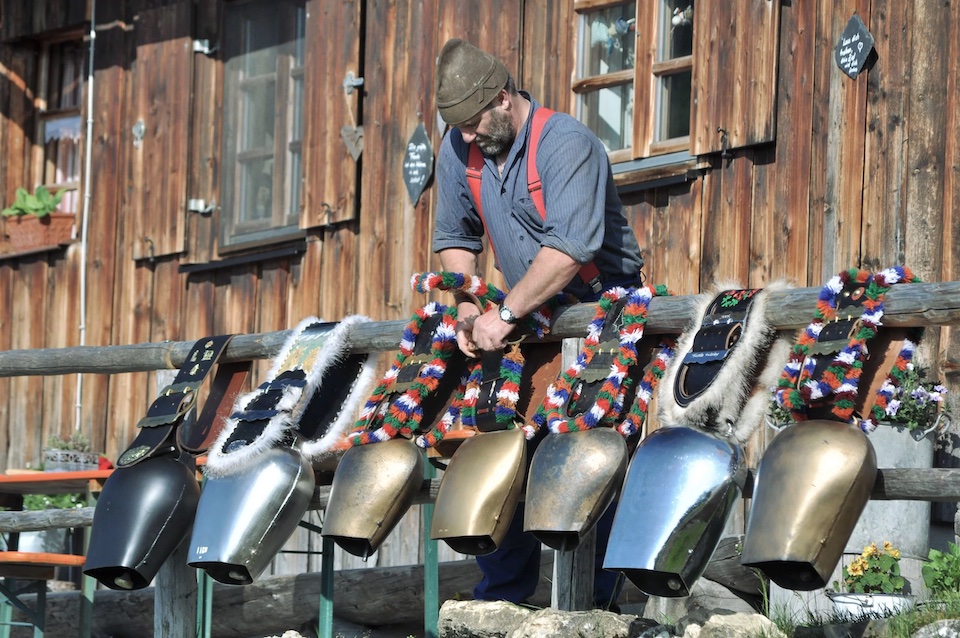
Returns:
(431,567)
(204,604)
(326,588)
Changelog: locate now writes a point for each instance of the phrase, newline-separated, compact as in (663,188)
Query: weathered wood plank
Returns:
(330,172)
(949,357)
(206,122)
(888,87)
(795,113)
(162,103)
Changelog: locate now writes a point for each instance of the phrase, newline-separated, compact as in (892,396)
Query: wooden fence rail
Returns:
(933,304)
(893,484)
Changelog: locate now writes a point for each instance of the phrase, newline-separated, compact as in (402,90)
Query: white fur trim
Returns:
(737,399)
(293,402)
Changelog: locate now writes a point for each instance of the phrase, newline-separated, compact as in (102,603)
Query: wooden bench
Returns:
(35,569)
(31,571)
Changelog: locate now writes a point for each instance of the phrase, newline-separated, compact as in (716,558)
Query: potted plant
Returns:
(70,454)
(910,402)
(32,220)
(871,584)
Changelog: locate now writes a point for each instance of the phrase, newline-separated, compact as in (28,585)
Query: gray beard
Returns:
(500,137)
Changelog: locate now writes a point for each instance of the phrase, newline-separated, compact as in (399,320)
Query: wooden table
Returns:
(35,567)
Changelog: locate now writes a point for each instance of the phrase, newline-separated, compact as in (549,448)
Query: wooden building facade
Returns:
(229,172)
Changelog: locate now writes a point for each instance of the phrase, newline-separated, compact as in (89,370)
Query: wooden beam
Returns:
(934,304)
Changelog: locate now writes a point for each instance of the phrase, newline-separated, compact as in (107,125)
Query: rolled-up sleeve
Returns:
(575,190)
(458,225)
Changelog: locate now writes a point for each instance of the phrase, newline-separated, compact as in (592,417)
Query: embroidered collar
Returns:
(797,388)
(381,420)
(464,403)
(608,406)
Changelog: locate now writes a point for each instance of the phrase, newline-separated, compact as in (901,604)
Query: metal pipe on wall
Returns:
(87,161)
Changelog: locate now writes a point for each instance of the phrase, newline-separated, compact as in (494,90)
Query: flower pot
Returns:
(850,605)
(69,460)
(27,232)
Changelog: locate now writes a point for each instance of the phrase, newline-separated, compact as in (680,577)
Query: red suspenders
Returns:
(589,272)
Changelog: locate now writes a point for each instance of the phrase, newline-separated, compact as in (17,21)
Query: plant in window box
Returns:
(907,400)
(32,220)
(70,454)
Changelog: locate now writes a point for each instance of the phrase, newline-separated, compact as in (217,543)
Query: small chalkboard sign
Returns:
(418,163)
(854,47)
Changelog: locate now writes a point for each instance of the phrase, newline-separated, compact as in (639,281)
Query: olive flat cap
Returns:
(467,80)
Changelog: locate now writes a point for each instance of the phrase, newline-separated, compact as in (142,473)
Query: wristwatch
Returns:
(506,315)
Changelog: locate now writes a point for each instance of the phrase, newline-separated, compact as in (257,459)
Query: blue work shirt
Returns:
(584,216)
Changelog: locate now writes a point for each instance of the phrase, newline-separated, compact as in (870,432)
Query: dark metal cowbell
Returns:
(681,487)
(144,512)
(812,484)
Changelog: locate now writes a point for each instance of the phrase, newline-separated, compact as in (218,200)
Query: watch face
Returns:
(507,315)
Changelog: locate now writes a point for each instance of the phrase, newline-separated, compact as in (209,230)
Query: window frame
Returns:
(45,115)
(283,223)
(647,77)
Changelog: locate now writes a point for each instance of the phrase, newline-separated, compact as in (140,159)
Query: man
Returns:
(539,255)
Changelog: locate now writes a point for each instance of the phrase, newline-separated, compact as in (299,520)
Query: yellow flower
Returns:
(888,548)
(856,567)
(870,550)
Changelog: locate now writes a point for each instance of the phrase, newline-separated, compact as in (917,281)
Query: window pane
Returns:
(263,120)
(676,28)
(259,111)
(61,153)
(608,112)
(65,80)
(257,194)
(608,40)
(675,105)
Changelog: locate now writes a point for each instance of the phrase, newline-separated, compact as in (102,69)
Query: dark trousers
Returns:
(512,572)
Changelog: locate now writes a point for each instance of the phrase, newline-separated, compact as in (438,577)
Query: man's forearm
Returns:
(549,274)
(458,260)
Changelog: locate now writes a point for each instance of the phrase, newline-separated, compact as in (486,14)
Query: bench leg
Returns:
(11,598)
(40,622)
(6,616)
(88,585)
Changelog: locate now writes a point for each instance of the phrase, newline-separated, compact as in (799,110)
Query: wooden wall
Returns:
(860,172)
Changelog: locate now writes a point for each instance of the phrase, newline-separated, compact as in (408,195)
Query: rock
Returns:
(738,625)
(552,623)
(705,594)
(646,628)
(940,629)
(479,619)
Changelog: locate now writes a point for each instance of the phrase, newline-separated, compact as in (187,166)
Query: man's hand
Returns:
(490,332)
(467,314)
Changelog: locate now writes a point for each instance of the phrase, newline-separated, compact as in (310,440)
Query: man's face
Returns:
(492,130)
(498,136)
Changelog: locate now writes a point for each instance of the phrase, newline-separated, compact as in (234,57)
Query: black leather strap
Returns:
(175,402)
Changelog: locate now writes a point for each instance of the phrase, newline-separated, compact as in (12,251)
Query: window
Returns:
(57,159)
(635,74)
(263,121)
